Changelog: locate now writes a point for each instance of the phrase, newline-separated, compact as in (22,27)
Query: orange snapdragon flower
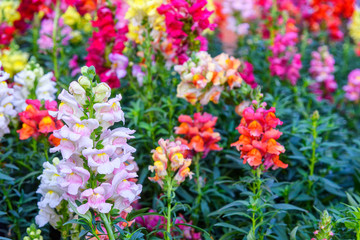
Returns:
(37,122)
(199,133)
(257,142)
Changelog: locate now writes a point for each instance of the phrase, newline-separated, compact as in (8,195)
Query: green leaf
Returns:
(293,233)
(285,206)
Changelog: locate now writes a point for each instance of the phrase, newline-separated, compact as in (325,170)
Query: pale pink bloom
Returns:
(100,159)
(316,232)
(119,64)
(352,89)
(77,138)
(75,177)
(118,138)
(69,109)
(96,199)
(138,73)
(109,113)
(127,191)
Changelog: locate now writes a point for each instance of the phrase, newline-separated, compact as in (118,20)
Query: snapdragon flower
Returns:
(352,88)
(32,83)
(322,68)
(169,163)
(6,103)
(203,78)
(257,142)
(97,168)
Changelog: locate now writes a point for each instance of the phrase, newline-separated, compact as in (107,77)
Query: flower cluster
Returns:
(352,89)
(7,34)
(51,195)
(324,232)
(257,141)
(247,74)
(185,23)
(168,159)
(13,60)
(203,78)
(107,45)
(355,25)
(327,15)
(154,222)
(144,10)
(322,68)
(199,133)
(46,41)
(37,121)
(285,61)
(32,83)
(97,168)
(6,108)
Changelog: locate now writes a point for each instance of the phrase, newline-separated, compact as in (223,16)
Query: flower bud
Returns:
(78,92)
(315,116)
(38,232)
(102,92)
(27,238)
(84,82)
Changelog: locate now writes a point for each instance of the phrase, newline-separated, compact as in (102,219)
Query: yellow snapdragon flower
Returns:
(71,16)
(13,61)
(8,11)
(355,26)
(73,19)
(140,10)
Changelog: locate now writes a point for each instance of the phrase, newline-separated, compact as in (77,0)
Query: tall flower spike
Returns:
(352,88)
(97,168)
(257,142)
(322,68)
(169,160)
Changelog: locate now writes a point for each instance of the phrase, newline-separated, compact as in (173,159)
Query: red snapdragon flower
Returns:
(257,141)
(6,34)
(37,122)
(108,39)
(199,133)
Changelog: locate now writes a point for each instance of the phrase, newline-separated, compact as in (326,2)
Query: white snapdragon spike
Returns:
(97,168)
(6,103)
(51,194)
(32,80)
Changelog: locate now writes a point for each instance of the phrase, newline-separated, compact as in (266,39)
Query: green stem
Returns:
(257,193)
(169,200)
(313,159)
(54,38)
(198,183)
(35,34)
(107,225)
(46,149)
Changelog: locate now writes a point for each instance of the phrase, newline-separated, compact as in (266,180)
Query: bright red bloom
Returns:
(37,122)
(199,133)
(185,21)
(6,34)
(257,141)
(108,39)
(329,14)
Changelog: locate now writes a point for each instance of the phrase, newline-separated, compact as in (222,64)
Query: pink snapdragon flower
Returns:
(285,62)
(247,74)
(96,199)
(45,41)
(119,64)
(75,177)
(184,18)
(352,89)
(100,159)
(322,68)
